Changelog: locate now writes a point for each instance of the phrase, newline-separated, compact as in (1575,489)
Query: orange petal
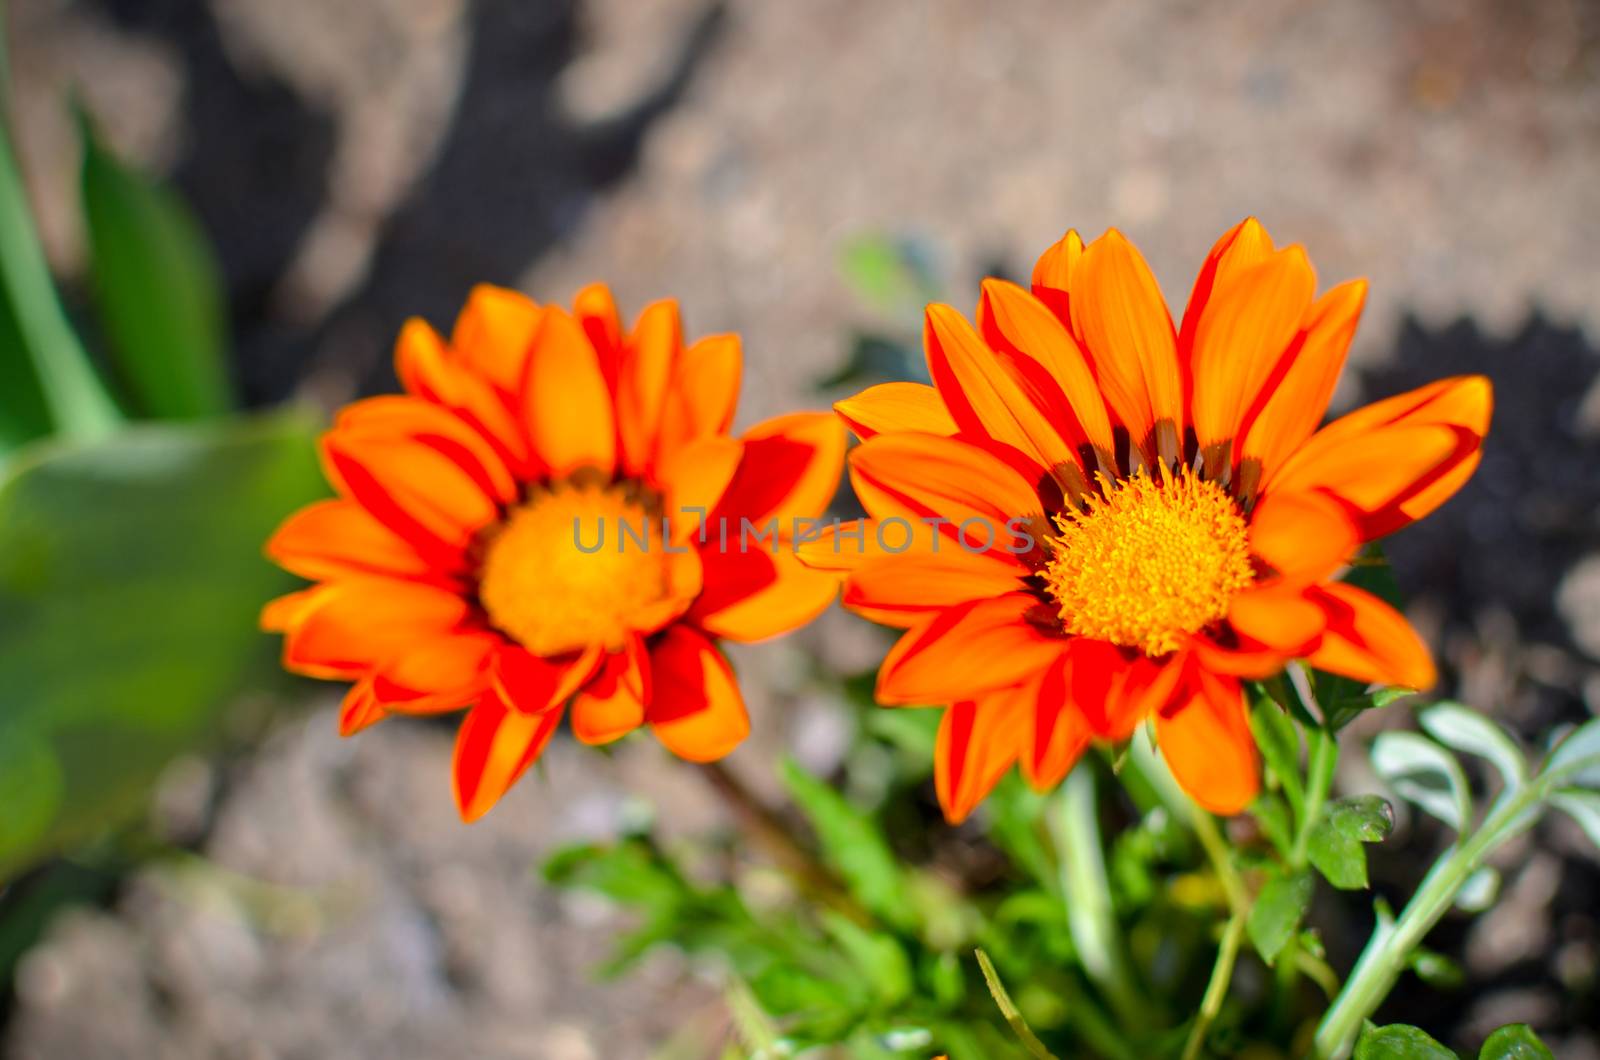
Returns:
(890,407)
(418,492)
(1052,275)
(649,360)
(336,537)
(427,370)
(494,747)
(967,651)
(791,470)
(494,334)
(1303,537)
(358,623)
(983,397)
(1205,739)
(705,390)
(596,312)
(695,707)
(1242,335)
(1118,311)
(1250,659)
(611,706)
(288,611)
(445,673)
(1368,640)
(1058,735)
(566,404)
(917,476)
(977,743)
(402,418)
(751,595)
(694,478)
(360,709)
(1297,402)
(1112,693)
(1279,616)
(1048,361)
(1396,460)
(1245,244)
(532,683)
(934,581)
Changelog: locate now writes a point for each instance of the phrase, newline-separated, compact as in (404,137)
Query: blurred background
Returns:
(804,174)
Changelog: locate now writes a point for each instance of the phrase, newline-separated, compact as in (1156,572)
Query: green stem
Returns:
(1217,988)
(1087,895)
(1388,951)
(1319,782)
(1216,848)
(1009,1010)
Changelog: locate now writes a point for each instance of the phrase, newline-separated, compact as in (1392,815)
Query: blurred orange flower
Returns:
(526,528)
(1135,517)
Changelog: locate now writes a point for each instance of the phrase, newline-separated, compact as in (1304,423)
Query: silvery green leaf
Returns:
(1576,760)
(1479,891)
(1424,773)
(1469,732)
(1583,807)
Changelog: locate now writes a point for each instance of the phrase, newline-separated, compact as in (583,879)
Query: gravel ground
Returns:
(358,162)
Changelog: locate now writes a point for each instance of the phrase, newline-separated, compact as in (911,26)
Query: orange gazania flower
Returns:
(1103,519)
(498,540)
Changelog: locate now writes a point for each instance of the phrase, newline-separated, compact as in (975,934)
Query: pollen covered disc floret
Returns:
(1149,561)
(577,564)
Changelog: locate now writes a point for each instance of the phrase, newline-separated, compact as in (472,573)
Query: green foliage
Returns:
(1336,841)
(1398,1041)
(1277,912)
(158,290)
(1515,1041)
(851,844)
(130,582)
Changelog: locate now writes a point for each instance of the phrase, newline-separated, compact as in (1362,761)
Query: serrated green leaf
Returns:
(1424,773)
(1469,732)
(1277,913)
(1340,859)
(1399,1041)
(1364,818)
(1273,818)
(851,843)
(158,289)
(1583,807)
(1515,1041)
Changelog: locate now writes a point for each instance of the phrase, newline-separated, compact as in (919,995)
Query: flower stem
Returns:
(1087,894)
(763,826)
(1319,782)
(1389,949)
(1217,988)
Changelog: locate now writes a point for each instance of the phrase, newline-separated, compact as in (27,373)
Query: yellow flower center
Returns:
(576,565)
(1149,562)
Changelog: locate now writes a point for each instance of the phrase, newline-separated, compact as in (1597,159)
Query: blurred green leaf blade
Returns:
(1398,1041)
(1515,1041)
(1277,913)
(158,289)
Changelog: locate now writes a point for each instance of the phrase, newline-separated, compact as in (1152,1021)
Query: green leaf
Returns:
(1277,913)
(158,288)
(1515,1041)
(1425,774)
(1009,1010)
(47,383)
(1336,841)
(1576,760)
(1478,891)
(1279,741)
(1584,808)
(880,957)
(852,844)
(131,578)
(1273,818)
(1436,969)
(1469,732)
(1399,1042)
